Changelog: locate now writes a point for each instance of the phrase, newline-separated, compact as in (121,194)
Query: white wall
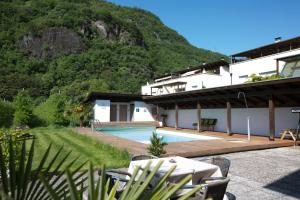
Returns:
(102,110)
(258,65)
(259,119)
(193,82)
(142,112)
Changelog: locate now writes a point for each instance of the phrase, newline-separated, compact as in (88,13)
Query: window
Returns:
(194,86)
(243,76)
(291,68)
(268,72)
(137,110)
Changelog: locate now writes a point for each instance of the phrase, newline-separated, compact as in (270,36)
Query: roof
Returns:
(206,66)
(286,93)
(289,58)
(269,49)
(113,96)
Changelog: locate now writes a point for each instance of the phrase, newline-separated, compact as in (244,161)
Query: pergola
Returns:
(114,97)
(270,94)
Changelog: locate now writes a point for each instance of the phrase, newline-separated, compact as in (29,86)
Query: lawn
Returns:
(83,146)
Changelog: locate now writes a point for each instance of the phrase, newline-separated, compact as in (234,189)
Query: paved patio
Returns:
(270,174)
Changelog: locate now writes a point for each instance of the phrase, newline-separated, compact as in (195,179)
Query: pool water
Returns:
(143,134)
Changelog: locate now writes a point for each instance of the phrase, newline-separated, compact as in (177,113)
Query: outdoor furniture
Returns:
(199,170)
(213,189)
(206,124)
(115,175)
(289,132)
(143,157)
(223,163)
(123,176)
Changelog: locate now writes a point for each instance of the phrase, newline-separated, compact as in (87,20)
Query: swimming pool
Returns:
(143,134)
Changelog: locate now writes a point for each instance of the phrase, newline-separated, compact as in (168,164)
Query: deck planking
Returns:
(194,148)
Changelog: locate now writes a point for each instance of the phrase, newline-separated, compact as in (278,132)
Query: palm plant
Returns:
(137,188)
(22,181)
(19,180)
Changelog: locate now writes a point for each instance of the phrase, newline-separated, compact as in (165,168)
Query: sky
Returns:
(226,26)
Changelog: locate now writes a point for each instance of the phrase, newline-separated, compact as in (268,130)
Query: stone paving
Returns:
(271,174)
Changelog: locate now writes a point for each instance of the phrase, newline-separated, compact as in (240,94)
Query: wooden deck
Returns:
(228,144)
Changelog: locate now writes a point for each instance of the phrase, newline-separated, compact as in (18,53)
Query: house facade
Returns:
(218,90)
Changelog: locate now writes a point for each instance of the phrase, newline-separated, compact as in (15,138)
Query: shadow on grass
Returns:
(289,184)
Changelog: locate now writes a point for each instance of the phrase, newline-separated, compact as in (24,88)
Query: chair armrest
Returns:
(203,180)
(117,171)
(199,195)
(118,178)
(188,187)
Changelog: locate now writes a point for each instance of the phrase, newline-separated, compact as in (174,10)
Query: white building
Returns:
(204,76)
(211,91)
(279,58)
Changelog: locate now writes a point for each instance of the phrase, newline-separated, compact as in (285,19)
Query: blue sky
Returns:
(226,26)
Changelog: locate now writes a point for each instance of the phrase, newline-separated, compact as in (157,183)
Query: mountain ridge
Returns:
(78,46)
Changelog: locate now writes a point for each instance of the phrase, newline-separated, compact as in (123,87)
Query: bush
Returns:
(157,146)
(13,136)
(23,109)
(51,112)
(255,78)
(6,114)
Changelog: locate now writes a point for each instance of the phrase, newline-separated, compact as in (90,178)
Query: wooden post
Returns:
(157,113)
(228,118)
(271,119)
(176,115)
(199,116)
(277,67)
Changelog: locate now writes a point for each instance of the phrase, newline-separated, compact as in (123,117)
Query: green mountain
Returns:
(76,46)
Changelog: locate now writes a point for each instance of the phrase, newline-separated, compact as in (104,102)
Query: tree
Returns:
(6,114)
(23,109)
(157,146)
(52,111)
(59,109)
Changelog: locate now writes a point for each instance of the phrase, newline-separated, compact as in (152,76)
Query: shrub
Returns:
(157,146)
(51,112)
(255,78)
(7,135)
(6,114)
(23,109)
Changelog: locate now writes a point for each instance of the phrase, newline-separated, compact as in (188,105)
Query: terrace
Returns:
(227,144)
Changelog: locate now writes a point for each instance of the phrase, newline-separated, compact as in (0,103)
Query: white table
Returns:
(184,167)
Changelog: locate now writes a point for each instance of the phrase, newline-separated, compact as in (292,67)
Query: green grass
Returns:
(83,146)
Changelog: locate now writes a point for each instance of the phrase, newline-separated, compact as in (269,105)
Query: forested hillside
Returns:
(75,46)
(53,52)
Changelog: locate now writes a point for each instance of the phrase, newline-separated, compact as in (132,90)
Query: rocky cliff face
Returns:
(113,32)
(52,43)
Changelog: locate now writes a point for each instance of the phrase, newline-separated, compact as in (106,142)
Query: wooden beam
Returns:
(199,116)
(176,115)
(228,104)
(271,119)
